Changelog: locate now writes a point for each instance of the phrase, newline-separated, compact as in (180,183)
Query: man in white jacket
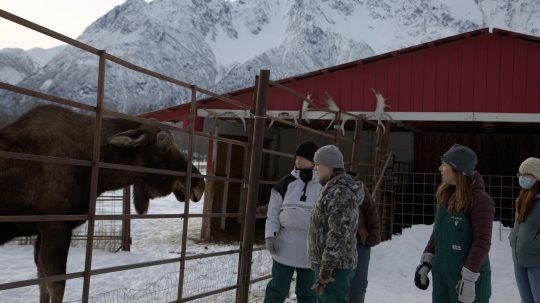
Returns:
(287,224)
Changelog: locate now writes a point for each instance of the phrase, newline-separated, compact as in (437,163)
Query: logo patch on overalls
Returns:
(456,247)
(457,220)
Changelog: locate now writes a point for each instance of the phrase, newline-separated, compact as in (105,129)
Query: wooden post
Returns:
(206,230)
(355,153)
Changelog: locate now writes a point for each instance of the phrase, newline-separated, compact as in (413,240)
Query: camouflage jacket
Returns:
(334,223)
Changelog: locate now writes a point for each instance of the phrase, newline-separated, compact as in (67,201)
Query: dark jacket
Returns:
(525,238)
(369,228)
(481,216)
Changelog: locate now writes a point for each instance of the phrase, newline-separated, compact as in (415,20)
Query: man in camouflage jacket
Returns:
(334,223)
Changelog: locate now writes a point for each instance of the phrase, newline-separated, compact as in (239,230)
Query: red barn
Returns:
(480,89)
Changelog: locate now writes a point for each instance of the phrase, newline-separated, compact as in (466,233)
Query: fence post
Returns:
(246,249)
(189,168)
(94,177)
(355,154)
(126,221)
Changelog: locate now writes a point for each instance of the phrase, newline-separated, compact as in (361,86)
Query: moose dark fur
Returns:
(38,188)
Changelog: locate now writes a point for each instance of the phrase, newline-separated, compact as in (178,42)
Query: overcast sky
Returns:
(67,17)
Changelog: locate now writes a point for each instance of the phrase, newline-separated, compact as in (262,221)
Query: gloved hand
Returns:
(465,287)
(421,279)
(271,245)
(261,210)
(325,278)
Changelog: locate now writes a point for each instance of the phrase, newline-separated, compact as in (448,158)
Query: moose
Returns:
(42,188)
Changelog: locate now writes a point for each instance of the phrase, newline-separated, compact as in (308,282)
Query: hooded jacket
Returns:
(334,223)
(525,238)
(369,228)
(480,215)
(288,217)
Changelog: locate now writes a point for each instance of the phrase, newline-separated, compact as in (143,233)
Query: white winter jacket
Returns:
(288,218)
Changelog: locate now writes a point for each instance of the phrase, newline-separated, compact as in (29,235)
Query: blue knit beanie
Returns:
(461,158)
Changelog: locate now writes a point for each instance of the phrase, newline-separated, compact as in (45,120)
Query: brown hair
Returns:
(337,172)
(525,202)
(461,198)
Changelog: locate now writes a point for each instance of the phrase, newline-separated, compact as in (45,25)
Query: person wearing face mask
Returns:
(457,252)
(525,235)
(333,228)
(287,223)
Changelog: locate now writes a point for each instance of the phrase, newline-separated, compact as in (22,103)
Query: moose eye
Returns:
(161,136)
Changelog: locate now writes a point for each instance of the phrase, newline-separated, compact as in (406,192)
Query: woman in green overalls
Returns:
(457,252)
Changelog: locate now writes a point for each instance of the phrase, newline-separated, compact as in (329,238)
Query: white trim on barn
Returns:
(398,116)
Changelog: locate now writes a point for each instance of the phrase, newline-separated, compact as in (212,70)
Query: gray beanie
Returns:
(531,166)
(461,158)
(330,156)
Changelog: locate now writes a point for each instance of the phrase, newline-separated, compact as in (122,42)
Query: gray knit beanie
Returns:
(461,158)
(531,166)
(330,156)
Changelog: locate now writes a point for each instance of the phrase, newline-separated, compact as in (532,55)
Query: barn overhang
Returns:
(396,116)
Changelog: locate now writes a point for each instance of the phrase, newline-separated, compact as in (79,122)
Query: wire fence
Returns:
(201,276)
(107,233)
(414,198)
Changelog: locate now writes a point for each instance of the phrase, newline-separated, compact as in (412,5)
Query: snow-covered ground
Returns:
(390,275)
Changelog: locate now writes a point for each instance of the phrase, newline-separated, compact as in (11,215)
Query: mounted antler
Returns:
(306,102)
(332,106)
(227,114)
(380,112)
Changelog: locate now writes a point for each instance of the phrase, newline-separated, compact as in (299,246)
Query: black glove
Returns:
(465,287)
(421,279)
(325,277)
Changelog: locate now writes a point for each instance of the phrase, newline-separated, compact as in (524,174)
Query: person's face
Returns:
(526,181)
(302,163)
(448,175)
(324,172)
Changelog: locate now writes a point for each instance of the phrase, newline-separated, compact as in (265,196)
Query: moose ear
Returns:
(131,138)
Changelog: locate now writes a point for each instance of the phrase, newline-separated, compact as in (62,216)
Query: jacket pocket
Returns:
(295,218)
(537,242)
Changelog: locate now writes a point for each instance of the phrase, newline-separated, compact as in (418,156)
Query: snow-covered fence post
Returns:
(246,249)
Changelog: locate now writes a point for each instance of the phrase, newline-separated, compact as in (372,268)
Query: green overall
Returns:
(453,239)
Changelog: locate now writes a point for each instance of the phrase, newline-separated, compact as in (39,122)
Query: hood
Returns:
(478,182)
(346,180)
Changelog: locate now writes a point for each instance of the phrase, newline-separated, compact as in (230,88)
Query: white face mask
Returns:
(525,182)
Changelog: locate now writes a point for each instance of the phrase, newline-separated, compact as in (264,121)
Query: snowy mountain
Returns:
(221,45)
(43,55)
(15,65)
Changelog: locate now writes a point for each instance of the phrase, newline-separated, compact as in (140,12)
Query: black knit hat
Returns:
(461,158)
(306,150)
